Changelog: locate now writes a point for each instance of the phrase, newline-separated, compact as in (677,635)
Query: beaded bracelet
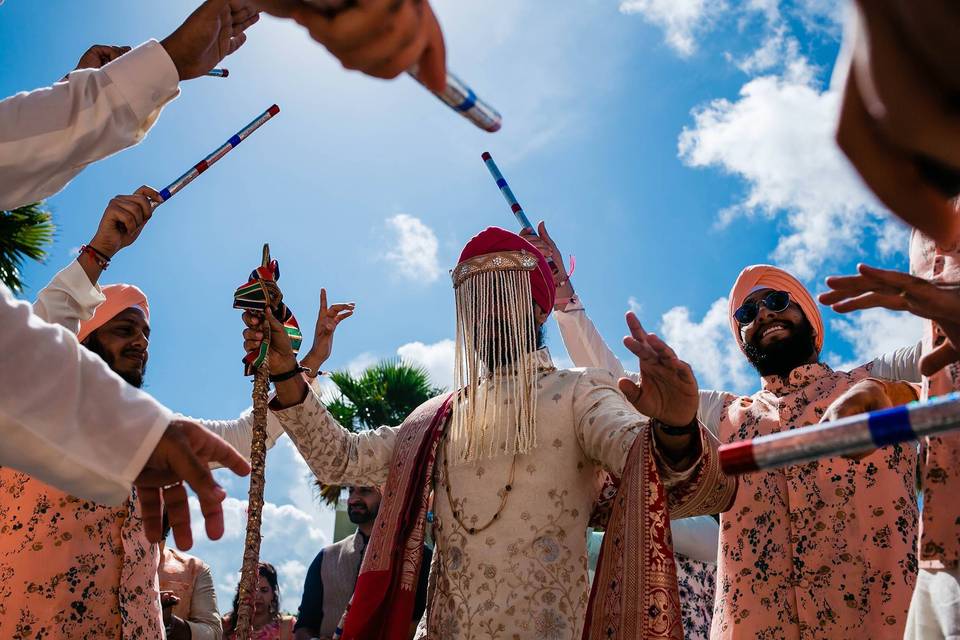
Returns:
(101,259)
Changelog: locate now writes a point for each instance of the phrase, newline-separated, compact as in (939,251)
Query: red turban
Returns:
(119,298)
(494,239)
(765,276)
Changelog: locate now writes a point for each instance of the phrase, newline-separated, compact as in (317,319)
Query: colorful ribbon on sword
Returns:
(254,296)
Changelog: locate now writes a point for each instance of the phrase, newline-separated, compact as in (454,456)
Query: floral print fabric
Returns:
(940,477)
(70,568)
(821,550)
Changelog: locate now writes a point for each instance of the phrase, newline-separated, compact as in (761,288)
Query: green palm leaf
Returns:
(383,394)
(25,232)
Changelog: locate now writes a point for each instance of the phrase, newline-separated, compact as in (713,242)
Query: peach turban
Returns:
(119,297)
(765,276)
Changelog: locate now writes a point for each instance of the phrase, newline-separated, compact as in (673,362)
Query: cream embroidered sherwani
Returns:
(526,575)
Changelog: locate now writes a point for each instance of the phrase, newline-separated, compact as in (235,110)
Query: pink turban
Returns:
(765,276)
(494,239)
(119,298)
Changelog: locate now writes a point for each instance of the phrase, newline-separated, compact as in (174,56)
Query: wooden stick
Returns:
(250,572)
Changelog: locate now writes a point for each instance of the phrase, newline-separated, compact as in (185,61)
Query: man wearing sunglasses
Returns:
(823,550)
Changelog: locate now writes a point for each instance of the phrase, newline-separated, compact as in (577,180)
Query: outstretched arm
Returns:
(334,454)
(49,135)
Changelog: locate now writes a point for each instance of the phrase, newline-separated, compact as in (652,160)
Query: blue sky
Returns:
(668,144)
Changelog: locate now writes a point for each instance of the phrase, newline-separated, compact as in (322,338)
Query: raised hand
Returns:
(280,357)
(123,220)
(211,33)
(544,243)
(937,301)
(668,389)
(327,320)
(184,454)
(382,38)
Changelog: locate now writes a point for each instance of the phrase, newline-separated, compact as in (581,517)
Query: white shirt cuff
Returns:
(146,77)
(88,296)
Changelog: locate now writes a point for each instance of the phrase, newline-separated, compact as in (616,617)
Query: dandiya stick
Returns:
(219,73)
(221,151)
(461,98)
(506,191)
(854,434)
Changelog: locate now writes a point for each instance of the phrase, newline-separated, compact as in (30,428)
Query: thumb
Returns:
(938,359)
(630,389)
(275,325)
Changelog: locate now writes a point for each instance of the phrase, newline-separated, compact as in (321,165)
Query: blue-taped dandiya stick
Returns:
(851,435)
(461,98)
(219,73)
(221,151)
(506,191)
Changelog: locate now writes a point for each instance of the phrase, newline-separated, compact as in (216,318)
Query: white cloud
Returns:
(778,137)
(874,332)
(635,306)
(294,528)
(681,20)
(709,348)
(414,249)
(360,362)
(436,358)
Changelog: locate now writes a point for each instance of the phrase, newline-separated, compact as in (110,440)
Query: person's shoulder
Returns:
(588,377)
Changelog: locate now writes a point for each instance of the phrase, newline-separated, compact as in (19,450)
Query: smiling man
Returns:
(72,568)
(826,549)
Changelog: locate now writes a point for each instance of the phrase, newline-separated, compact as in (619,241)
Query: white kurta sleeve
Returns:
(710,410)
(69,299)
(902,364)
(335,455)
(204,621)
(66,418)
(584,344)
(49,135)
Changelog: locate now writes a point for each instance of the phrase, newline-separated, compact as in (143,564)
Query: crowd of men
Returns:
(473,514)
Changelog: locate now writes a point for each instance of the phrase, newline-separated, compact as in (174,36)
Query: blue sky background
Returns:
(668,144)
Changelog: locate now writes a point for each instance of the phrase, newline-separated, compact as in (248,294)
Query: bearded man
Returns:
(822,550)
(332,575)
(72,568)
(513,457)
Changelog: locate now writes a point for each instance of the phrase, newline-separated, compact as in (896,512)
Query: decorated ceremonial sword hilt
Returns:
(260,293)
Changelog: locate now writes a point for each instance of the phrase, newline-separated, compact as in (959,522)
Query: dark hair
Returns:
(269,572)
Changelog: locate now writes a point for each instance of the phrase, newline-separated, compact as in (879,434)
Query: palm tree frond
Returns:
(25,232)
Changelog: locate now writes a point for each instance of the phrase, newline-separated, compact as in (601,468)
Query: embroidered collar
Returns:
(796,380)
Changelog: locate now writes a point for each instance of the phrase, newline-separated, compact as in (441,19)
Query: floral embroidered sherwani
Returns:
(821,550)
(935,609)
(70,568)
(526,575)
(940,533)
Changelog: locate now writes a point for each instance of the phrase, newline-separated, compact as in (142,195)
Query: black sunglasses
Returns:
(775,301)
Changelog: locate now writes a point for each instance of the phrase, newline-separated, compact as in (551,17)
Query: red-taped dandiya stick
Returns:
(221,151)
